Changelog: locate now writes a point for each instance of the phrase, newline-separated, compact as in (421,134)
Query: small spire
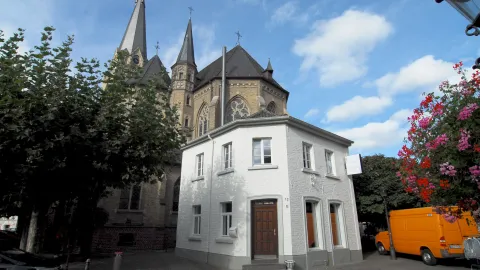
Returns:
(269,66)
(157,47)
(238,37)
(187,53)
(135,36)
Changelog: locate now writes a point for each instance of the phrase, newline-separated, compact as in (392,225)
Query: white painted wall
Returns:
(240,187)
(325,189)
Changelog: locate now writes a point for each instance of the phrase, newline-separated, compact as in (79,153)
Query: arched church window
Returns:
(203,121)
(176,195)
(186,122)
(188,100)
(271,107)
(236,109)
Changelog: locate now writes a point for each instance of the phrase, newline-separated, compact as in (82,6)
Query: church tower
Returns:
(184,73)
(135,37)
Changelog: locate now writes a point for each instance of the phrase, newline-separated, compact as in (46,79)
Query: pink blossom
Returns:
(424,122)
(475,172)
(449,218)
(463,142)
(399,174)
(447,169)
(440,140)
(467,111)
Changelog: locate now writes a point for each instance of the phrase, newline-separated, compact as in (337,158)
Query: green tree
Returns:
(64,138)
(378,181)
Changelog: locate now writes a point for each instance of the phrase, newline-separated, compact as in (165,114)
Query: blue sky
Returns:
(356,68)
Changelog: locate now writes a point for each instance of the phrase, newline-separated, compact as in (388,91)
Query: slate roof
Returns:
(136,34)
(152,68)
(269,66)
(239,64)
(187,53)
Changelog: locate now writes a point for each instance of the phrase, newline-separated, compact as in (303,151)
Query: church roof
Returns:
(136,34)
(153,67)
(187,53)
(239,64)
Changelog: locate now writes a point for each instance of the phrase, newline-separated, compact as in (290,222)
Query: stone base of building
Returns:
(312,260)
(110,239)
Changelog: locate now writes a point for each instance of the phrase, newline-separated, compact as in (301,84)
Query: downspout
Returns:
(222,95)
(210,197)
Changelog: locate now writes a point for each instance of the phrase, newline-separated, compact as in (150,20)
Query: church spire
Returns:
(269,66)
(187,54)
(135,36)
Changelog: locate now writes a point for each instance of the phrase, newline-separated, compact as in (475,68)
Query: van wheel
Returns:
(381,249)
(428,258)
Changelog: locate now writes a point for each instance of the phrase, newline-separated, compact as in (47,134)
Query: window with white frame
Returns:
(313,224)
(330,162)
(262,151)
(337,225)
(200,159)
(197,219)
(226,217)
(227,156)
(307,152)
(130,198)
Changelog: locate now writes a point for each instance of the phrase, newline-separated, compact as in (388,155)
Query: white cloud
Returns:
(312,113)
(288,12)
(338,48)
(379,134)
(356,107)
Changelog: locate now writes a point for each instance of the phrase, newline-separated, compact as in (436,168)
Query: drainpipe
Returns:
(210,196)
(222,95)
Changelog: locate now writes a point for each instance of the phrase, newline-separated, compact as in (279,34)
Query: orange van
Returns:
(421,231)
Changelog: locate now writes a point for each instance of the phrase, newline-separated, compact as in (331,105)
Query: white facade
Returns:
(8,224)
(285,180)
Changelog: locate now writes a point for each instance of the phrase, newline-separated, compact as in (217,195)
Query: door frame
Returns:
(250,218)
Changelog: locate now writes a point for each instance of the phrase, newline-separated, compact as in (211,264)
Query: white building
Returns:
(267,187)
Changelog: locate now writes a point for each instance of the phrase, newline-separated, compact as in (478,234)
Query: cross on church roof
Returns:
(238,37)
(191,10)
(157,46)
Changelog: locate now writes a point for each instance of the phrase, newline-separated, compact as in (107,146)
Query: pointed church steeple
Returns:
(187,53)
(135,36)
(269,66)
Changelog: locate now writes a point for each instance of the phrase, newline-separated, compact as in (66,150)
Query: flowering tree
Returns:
(440,161)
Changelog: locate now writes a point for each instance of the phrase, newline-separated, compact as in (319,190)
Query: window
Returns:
(203,121)
(180,76)
(186,122)
(126,240)
(197,219)
(188,100)
(329,159)
(226,217)
(227,156)
(236,109)
(307,161)
(176,195)
(262,152)
(336,224)
(313,222)
(271,107)
(200,159)
(130,198)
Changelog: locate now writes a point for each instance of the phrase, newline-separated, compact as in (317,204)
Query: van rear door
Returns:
(453,236)
(468,226)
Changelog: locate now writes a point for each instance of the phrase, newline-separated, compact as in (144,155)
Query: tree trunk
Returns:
(32,231)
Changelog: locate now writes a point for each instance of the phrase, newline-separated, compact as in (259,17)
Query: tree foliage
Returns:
(376,183)
(441,157)
(62,136)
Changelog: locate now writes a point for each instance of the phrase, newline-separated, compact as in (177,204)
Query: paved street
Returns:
(168,261)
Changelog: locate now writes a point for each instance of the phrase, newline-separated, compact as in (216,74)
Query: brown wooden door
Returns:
(265,231)
(333,218)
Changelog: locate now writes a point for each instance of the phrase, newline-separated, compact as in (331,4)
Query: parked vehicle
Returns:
(16,259)
(421,231)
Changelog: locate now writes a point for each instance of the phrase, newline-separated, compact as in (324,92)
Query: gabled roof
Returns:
(187,53)
(239,64)
(136,33)
(153,68)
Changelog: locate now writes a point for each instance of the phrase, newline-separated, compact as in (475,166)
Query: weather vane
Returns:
(238,37)
(191,10)
(157,46)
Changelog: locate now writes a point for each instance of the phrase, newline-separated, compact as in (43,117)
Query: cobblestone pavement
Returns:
(160,260)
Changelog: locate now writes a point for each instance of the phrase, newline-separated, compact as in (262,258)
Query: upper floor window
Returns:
(330,162)
(227,156)
(271,107)
(180,75)
(236,109)
(130,198)
(307,152)
(199,166)
(203,121)
(262,152)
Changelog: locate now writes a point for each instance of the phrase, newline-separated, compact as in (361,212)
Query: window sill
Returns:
(315,249)
(226,171)
(305,170)
(262,167)
(128,211)
(331,176)
(224,240)
(195,238)
(198,178)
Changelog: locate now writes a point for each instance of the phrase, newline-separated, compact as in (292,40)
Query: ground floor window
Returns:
(313,224)
(226,218)
(197,219)
(126,240)
(337,225)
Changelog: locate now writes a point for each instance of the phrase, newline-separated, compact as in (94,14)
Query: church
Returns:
(254,186)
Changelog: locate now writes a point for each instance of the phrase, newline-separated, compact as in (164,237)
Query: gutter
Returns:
(210,197)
